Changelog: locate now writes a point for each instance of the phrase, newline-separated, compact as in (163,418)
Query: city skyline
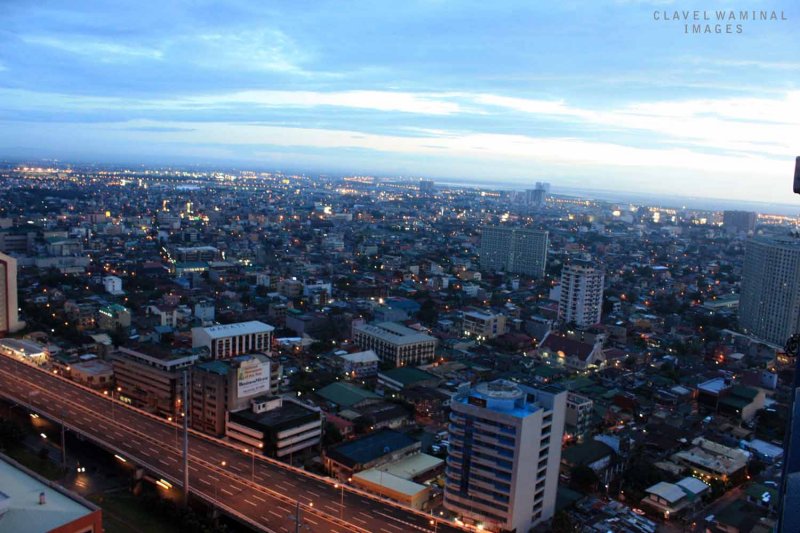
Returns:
(476,94)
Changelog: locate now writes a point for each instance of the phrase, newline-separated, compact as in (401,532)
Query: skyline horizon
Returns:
(691,202)
(440,88)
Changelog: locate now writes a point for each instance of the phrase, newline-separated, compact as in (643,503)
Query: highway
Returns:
(256,490)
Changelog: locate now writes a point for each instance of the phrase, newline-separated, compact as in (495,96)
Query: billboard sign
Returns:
(252,378)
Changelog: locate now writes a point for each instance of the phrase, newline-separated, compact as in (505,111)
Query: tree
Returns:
(562,523)
(583,478)
(332,435)
(428,314)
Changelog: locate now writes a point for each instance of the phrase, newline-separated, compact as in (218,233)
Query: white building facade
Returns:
(228,340)
(581,298)
(504,455)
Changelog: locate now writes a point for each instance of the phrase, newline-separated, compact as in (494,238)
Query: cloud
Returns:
(102,51)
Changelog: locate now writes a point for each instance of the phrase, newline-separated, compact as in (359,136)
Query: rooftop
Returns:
(370,447)
(240,328)
(345,394)
(25,514)
(408,375)
(394,333)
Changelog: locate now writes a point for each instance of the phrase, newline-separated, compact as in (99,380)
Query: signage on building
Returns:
(252,378)
(480,402)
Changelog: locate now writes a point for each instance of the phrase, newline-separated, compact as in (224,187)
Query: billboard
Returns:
(252,378)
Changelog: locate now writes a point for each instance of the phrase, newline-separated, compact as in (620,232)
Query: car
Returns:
(638,511)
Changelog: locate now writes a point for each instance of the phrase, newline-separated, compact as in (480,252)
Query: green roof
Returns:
(216,367)
(734,401)
(345,394)
(586,453)
(744,392)
(547,371)
(408,375)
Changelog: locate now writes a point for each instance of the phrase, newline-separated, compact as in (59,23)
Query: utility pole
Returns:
(63,442)
(185,437)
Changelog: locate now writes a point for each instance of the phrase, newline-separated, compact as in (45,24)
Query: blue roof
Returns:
(370,447)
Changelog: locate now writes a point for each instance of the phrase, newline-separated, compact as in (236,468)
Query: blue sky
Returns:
(595,94)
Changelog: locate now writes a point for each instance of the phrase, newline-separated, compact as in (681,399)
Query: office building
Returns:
(739,221)
(9,316)
(225,385)
(228,340)
(484,325)
(581,300)
(514,250)
(277,427)
(504,455)
(769,303)
(394,343)
(30,503)
(426,186)
(150,377)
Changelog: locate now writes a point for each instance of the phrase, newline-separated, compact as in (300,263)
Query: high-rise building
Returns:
(581,299)
(504,454)
(537,196)
(514,250)
(769,303)
(789,499)
(9,316)
(739,221)
(426,186)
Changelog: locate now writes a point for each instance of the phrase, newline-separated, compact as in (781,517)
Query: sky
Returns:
(596,94)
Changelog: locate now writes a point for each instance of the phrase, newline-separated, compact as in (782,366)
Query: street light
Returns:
(341,504)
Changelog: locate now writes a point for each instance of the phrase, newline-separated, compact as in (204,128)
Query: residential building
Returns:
(726,398)
(514,250)
(504,454)
(483,325)
(739,221)
(228,340)
(9,316)
(113,285)
(114,316)
(278,427)
(581,299)
(578,417)
(769,301)
(710,460)
(395,343)
(595,454)
(556,349)
(673,500)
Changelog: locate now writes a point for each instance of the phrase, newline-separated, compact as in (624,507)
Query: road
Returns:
(258,491)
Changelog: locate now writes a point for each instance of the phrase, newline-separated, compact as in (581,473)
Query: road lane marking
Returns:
(273,513)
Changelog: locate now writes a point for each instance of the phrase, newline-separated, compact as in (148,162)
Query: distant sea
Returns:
(673,201)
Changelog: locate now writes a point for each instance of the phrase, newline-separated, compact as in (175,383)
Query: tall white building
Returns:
(9,316)
(581,299)
(228,340)
(514,250)
(504,454)
(769,303)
